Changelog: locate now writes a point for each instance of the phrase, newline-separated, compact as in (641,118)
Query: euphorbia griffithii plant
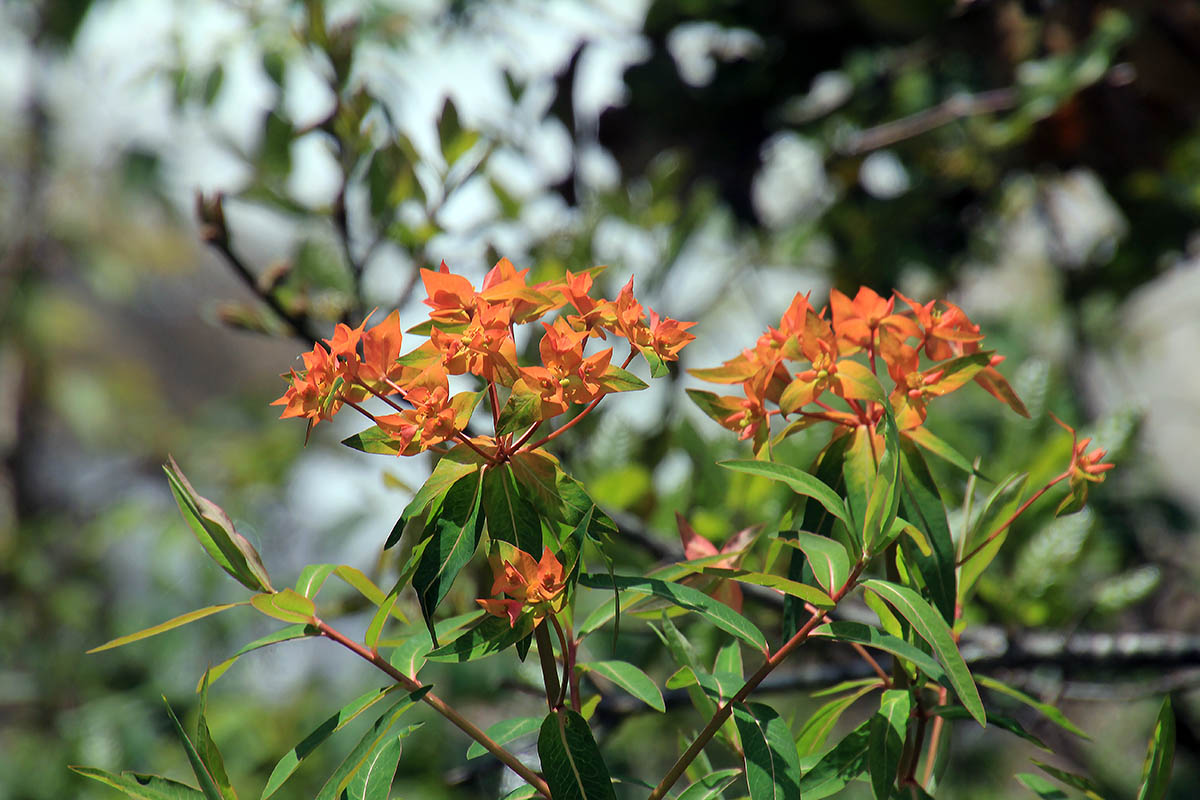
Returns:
(868,518)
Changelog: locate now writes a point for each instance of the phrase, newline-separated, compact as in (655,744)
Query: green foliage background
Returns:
(1043,174)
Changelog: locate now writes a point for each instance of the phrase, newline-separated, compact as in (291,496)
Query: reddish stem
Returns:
(1016,514)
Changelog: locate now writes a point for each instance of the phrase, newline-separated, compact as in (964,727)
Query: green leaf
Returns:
(287,606)
(658,367)
(367,588)
(288,764)
(930,626)
(888,729)
(1050,712)
(163,627)
(1083,784)
(374,440)
(208,784)
(510,516)
(844,763)
(921,504)
(772,766)
(525,792)
(571,761)
(685,655)
(298,631)
(558,496)
(822,721)
(859,471)
(939,448)
(373,780)
(1041,787)
(207,749)
(216,533)
(312,578)
(631,679)
(453,534)
(809,594)
(847,631)
(458,463)
(799,481)
(409,656)
(710,786)
(504,732)
(1160,756)
(884,500)
(489,637)
(714,611)
(859,382)
(616,379)
(522,409)
(827,558)
(141,786)
(378,736)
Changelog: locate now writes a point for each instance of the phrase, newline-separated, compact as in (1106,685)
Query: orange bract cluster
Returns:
(809,356)
(472,332)
(534,586)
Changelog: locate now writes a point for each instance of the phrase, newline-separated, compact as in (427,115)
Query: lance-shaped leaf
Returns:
(939,448)
(888,729)
(456,464)
(772,766)
(809,594)
(207,749)
(558,496)
(930,626)
(921,504)
(490,636)
(797,480)
(1076,781)
(453,534)
(999,720)
(822,721)
(291,760)
(1040,786)
(504,732)
(616,379)
(378,736)
(857,632)
(571,761)
(367,588)
(216,533)
(710,786)
(141,786)
(373,780)
(858,382)
(884,499)
(1160,756)
(522,409)
(1050,712)
(163,627)
(287,606)
(312,579)
(409,655)
(374,440)
(712,610)
(208,784)
(511,517)
(827,558)
(833,770)
(629,678)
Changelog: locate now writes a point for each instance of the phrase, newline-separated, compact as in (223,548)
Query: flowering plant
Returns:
(868,520)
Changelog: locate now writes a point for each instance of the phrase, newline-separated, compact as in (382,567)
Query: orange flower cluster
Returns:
(472,332)
(534,586)
(822,344)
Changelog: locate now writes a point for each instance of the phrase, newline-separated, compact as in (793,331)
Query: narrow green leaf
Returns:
(141,786)
(207,749)
(658,367)
(312,578)
(685,655)
(827,558)
(921,504)
(453,534)
(298,631)
(859,472)
(772,766)
(1041,787)
(848,631)
(930,626)
(504,732)
(1050,712)
(379,735)
(616,379)
(939,448)
(456,464)
(374,440)
(799,481)
(525,792)
(510,516)
(631,679)
(409,656)
(729,660)
(888,729)
(1160,756)
(1000,721)
(492,635)
(710,786)
(381,615)
(571,761)
(212,526)
(367,588)
(809,594)
(714,611)
(291,760)
(171,624)
(287,606)
(1080,782)
(204,777)
(373,780)
(822,721)
(847,761)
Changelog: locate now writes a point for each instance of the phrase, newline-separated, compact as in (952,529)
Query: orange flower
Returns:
(945,330)
(1085,468)
(668,337)
(484,347)
(432,419)
(566,376)
(452,297)
(858,321)
(318,391)
(535,587)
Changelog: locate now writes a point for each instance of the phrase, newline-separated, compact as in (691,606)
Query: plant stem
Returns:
(1004,526)
(437,704)
(935,738)
(549,669)
(773,661)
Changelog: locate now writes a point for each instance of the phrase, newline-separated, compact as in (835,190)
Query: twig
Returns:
(950,110)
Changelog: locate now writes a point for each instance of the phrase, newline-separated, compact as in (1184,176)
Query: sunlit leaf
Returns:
(504,732)
(162,627)
(141,786)
(629,678)
(1160,756)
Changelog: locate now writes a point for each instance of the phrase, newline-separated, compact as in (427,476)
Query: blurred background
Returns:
(165,165)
